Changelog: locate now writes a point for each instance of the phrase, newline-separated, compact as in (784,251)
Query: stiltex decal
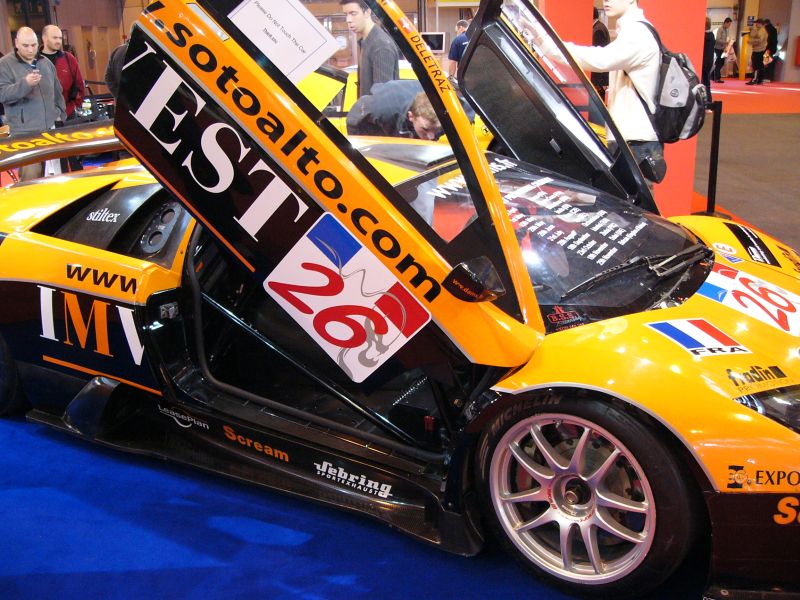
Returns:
(357,482)
(699,337)
(345,299)
(755,298)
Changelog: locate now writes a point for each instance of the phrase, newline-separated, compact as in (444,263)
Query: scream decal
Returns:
(346,299)
(755,298)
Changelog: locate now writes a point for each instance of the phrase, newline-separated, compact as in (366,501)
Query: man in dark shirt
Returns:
(379,59)
(457,47)
(114,68)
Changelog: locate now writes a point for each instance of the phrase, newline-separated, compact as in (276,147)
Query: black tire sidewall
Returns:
(675,519)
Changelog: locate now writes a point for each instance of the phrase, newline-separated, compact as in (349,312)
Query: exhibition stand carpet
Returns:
(80,521)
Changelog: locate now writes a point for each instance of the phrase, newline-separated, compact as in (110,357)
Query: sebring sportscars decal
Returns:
(699,337)
(753,297)
(346,299)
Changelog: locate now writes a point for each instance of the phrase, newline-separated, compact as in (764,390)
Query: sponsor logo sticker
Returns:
(345,299)
(104,216)
(699,337)
(564,319)
(756,378)
(737,477)
(756,247)
(788,511)
(256,446)
(732,259)
(353,480)
(183,419)
(724,248)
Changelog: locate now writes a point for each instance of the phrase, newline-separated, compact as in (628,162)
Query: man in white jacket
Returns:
(632,60)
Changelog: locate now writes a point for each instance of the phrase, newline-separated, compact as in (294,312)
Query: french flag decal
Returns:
(345,299)
(699,337)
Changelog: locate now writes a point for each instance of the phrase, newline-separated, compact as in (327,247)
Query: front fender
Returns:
(691,396)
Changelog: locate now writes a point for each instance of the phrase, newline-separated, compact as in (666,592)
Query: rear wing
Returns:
(75,140)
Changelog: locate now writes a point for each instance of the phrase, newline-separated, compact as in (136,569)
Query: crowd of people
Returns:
(42,87)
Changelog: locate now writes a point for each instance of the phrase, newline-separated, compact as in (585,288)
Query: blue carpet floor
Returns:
(80,521)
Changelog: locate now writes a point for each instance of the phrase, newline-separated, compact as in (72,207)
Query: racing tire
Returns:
(12,400)
(585,495)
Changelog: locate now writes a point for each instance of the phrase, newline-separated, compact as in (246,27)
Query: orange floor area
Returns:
(770,98)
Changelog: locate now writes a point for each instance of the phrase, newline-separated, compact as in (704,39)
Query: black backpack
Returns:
(680,97)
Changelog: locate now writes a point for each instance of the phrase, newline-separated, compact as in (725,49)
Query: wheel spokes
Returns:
(589,536)
(537,495)
(565,539)
(554,460)
(546,517)
(538,472)
(617,529)
(617,502)
(595,478)
(577,463)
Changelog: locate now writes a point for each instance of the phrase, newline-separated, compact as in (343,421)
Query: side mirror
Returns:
(475,280)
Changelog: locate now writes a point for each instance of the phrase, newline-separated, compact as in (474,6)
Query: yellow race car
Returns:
(457,342)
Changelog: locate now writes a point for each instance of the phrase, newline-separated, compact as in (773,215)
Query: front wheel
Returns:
(585,494)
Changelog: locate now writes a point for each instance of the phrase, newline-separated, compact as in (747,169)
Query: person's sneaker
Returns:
(719,81)
(751,82)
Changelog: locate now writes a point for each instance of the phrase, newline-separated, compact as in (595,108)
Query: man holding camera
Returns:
(30,92)
(69,74)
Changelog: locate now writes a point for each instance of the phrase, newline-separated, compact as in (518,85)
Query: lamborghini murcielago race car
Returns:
(459,342)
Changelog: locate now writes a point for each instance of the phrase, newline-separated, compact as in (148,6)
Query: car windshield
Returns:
(568,233)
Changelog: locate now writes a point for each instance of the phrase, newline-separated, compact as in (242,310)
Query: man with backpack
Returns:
(633,61)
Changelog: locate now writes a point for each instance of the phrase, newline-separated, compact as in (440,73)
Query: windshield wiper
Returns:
(662,265)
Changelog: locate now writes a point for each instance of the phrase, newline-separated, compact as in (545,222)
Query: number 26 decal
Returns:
(781,306)
(333,314)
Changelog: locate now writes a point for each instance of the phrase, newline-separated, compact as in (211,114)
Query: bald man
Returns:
(30,92)
(67,70)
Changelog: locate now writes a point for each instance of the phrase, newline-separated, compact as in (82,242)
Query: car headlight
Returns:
(781,405)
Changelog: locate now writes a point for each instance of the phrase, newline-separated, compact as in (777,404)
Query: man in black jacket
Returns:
(772,48)
(395,109)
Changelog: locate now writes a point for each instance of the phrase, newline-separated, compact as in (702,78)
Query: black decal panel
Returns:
(208,160)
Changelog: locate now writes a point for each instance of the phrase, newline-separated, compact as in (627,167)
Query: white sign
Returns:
(287,33)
